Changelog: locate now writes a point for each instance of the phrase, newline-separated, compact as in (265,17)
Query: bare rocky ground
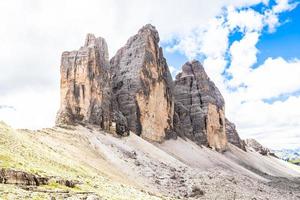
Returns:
(107,167)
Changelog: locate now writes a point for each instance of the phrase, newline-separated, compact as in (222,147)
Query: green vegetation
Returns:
(296,161)
(54,152)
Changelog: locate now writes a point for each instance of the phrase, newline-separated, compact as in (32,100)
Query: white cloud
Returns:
(174,71)
(245,20)
(273,78)
(243,56)
(275,125)
(214,68)
(271,19)
(29,109)
(284,5)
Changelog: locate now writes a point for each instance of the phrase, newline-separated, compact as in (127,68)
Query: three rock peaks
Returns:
(134,91)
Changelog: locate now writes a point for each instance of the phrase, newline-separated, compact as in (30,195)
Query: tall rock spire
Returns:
(85,85)
(199,107)
(142,85)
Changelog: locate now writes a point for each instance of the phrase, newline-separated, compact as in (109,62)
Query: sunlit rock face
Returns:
(85,85)
(199,107)
(142,86)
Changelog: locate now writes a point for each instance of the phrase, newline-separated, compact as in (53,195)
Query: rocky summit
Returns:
(199,107)
(142,85)
(134,91)
(85,85)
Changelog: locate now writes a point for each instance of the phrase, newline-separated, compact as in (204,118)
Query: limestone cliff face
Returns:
(142,86)
(134,92)
(85,85)
(232,135)
(199,107)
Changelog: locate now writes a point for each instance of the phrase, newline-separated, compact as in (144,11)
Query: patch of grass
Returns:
(21,150)
(52,185)
(5,161)
(38,197)
(296,161)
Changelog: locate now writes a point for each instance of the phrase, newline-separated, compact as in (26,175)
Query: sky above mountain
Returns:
(250,49)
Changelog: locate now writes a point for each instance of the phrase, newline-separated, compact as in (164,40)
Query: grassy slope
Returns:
(296,161)
(25,150)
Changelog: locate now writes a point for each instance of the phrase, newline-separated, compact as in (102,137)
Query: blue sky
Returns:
(284,42)
(250,49)
(278,45)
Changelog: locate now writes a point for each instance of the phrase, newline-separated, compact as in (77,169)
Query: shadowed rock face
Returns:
(199,107)
(232,135)
(142,86)
(85,85)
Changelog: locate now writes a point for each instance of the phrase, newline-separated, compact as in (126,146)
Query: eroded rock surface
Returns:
(199,107)
(142,86)
(252,144)
(233,136)
(85,89)
(10,176)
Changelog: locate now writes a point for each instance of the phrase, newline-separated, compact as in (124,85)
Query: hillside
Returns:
(110,167)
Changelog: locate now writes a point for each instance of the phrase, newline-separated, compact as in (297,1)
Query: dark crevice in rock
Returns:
(139,127)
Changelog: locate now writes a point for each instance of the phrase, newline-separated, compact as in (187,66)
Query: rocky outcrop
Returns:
(142,86)
(199,107)
(85,89)
(233,136)
(16,177)
(253,145)
(10,176)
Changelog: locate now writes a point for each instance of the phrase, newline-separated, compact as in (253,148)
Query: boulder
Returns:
(10,176)
(142,86)
(199,107)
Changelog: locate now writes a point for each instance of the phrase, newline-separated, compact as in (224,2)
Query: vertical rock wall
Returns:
(142,85)
(85,85)
(199,107)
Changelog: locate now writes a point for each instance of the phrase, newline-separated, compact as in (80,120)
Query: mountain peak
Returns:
(149,29)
